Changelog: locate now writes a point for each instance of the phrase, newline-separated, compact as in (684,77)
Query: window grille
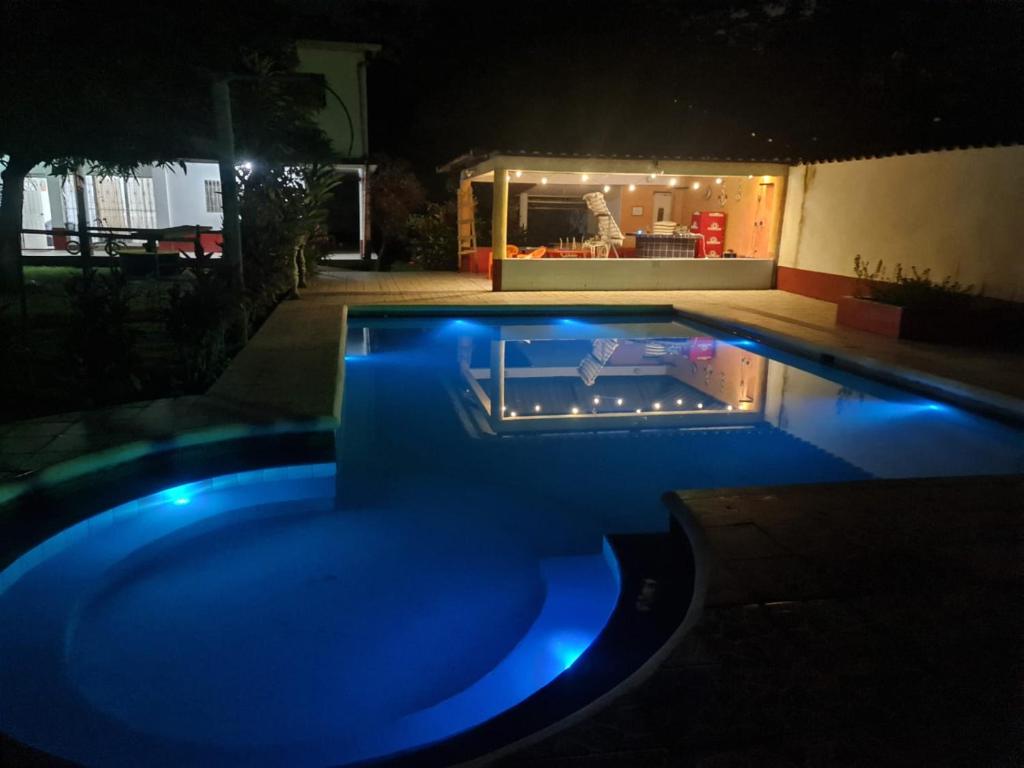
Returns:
(214,200)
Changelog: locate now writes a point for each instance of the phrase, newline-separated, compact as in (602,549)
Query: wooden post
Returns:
(499,226)
(84,241)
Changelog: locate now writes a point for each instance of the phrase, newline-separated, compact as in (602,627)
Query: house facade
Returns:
(189,195)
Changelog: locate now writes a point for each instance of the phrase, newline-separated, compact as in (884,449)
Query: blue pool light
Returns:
(567,648)
(182,501)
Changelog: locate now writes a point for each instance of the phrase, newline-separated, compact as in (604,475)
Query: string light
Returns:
(543,179)
(679,401)
(597,401)
(519,174)
(585,177)
(695,185)
(718,180)
(728,407)
(700,405)
(607,189)
(632,187)
(673,182)
(618,401)
(638,410)
(657,406)
(512,414)
(575,410)
(536,408)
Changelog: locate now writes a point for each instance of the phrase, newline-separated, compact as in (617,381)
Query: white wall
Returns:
(185,194)
(957,212)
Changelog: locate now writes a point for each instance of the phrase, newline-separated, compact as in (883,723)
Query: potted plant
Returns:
(907,306)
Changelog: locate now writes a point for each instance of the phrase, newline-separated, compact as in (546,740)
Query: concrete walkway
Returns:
(861,624)
(797,317)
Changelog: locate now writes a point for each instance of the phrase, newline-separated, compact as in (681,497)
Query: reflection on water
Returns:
(598,418)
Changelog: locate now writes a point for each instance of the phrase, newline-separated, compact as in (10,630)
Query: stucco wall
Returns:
(956,212)
(339,63)
(186,194)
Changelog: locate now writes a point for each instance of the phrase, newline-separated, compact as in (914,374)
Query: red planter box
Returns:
(872,316)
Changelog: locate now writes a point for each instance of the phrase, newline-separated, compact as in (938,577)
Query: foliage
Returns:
(395,194)
(99,341)
(197,321)
(432,237)
(914,290)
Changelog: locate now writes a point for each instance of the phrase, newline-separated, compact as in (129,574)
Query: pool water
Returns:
(451,561)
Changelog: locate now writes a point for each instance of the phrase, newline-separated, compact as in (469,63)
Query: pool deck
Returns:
(864,624)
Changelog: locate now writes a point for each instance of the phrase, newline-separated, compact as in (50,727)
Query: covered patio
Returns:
(561,222)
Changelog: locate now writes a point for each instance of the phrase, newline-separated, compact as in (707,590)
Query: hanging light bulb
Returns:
(575,410)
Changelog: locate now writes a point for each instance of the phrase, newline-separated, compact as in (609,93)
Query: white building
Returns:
(162,197)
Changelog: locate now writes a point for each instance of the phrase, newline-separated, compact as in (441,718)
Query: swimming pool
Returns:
(456,562)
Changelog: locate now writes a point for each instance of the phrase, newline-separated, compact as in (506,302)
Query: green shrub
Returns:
(99,343)
(197,321)
(914,290)
(432,238)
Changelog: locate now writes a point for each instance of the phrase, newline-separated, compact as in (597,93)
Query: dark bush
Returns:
(99,343)
(197,321)
(432,238)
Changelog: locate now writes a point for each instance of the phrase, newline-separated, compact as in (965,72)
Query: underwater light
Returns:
(182,501)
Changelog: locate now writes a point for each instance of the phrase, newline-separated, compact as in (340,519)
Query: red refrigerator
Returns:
(711,226)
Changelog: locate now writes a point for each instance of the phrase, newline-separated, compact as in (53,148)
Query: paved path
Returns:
(862,624)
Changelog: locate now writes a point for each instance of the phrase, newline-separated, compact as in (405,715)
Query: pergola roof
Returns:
(583,169)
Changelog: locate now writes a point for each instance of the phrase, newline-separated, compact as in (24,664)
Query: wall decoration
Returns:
(638,210)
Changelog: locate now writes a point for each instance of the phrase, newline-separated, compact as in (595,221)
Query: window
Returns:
(214,201)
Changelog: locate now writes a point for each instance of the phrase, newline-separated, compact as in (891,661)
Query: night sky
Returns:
(782,79)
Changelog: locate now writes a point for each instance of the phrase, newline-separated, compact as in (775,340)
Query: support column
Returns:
(524,207)
(499,226)
(363,213)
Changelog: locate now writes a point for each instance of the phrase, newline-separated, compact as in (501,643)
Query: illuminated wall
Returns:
(955,212)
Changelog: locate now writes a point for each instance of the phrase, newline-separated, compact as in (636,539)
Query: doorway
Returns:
(35,214)
(662,207)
